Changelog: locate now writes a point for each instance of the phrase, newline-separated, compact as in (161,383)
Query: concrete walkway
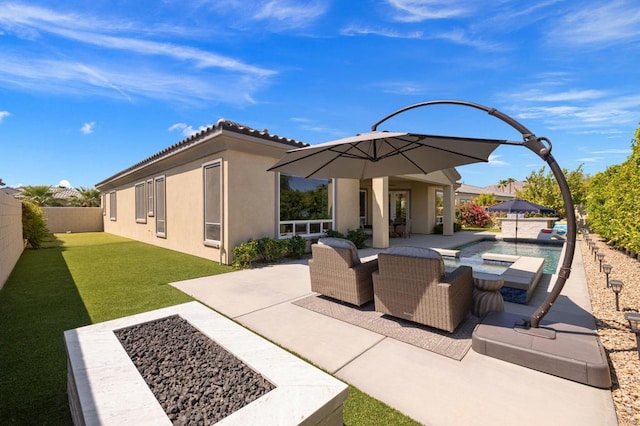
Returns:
(432,389)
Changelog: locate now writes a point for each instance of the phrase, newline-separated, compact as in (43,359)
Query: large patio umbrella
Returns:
(518,205)
(378,154)
(408,153)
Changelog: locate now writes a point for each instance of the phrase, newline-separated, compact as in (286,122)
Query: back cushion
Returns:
(342,243)
(417,252)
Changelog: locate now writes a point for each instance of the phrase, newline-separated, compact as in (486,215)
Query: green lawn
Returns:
(80,279)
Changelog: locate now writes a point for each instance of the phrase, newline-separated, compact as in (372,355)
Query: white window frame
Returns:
(140,189)
(113,206)
(303,227)
(208,242)
(150,198)
(363,219)
(103,202)
(161,200)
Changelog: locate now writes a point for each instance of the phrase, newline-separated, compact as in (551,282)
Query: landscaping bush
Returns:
(335,234)
(271,250)
(439,228)
(358,237)
(296,246)
(34,226)
(245,254)
(472,215)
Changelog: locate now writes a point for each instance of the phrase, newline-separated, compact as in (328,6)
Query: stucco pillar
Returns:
(449,210)
(380,214)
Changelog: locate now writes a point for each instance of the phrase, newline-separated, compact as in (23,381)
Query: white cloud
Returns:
(187,130)
(65,183)
(290,14)
(598,23)
(4,114)
(189,74)
(87,128)
(496,162)
(422,10)
(355,30)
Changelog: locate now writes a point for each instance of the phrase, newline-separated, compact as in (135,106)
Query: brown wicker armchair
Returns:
(336,271)
(411,284)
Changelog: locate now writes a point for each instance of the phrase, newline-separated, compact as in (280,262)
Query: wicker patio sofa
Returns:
(411,284)
(337,271)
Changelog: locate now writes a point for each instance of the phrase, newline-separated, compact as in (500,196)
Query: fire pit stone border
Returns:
(105,387)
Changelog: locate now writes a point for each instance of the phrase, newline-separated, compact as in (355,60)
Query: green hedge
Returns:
(613,198)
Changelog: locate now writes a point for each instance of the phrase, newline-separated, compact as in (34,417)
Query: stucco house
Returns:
(211,191)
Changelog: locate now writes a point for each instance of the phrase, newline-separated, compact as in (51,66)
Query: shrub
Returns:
(472,215)
(334,234)
(34,226)
(439,228)
(244,254)
(358,237)
(271,250)
(296,246)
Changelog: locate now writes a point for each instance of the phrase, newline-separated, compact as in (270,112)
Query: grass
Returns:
(81,279)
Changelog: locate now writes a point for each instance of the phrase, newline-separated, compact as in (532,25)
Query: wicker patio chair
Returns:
(411,284)
(336,271)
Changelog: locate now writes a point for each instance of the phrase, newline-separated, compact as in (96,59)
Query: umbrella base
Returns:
(564,350)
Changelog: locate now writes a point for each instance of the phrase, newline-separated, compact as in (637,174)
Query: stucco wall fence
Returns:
(11,242)
(73,219)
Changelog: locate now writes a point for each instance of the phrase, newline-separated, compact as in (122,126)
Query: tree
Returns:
(543,189)
(40,195)
(485,200)
(504,182)
(89,197)
(2,183)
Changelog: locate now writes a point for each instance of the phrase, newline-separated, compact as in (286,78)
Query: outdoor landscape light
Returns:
(600,259)
(606,268)
(634,324)
(595,251)
(616,286)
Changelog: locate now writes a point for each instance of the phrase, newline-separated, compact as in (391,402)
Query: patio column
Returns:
(449,210)
(380,213)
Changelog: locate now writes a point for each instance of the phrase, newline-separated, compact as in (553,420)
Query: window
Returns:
(363,207)
(113,208)
(306,206)
(150,197)
(141,203)
(161,214)
(213,203)
(103,202)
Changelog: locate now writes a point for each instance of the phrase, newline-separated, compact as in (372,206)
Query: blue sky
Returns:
(89,88)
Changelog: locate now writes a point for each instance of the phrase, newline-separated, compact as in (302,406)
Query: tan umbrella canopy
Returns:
(377,154)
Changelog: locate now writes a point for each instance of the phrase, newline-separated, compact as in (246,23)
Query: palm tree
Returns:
(2,183)
(502,184)
(89,197)
(39,195)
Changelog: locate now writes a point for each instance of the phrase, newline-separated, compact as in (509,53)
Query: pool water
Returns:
(477,264)
(550,252)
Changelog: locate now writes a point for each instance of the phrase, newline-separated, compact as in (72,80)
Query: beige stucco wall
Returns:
(347,208)
(249,205)
(528,227)
(11,242)
(73,219)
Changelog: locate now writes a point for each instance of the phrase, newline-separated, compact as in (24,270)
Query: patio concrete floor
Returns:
(430,388)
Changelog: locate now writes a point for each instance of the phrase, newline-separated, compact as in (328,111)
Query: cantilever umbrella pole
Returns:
(535,144)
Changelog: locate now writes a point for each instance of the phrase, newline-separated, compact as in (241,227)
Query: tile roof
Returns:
(221,125)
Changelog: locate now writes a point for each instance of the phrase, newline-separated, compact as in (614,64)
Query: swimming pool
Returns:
(476,263)
(549,251)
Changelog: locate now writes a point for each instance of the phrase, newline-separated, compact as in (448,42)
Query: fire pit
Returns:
(186,364)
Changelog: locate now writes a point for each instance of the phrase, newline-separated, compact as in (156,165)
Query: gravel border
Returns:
(615,335)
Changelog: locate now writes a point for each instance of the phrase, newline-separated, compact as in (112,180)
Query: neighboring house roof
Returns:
(510,188)
(220,126)
(62,193)
(11,191)
(477,190)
